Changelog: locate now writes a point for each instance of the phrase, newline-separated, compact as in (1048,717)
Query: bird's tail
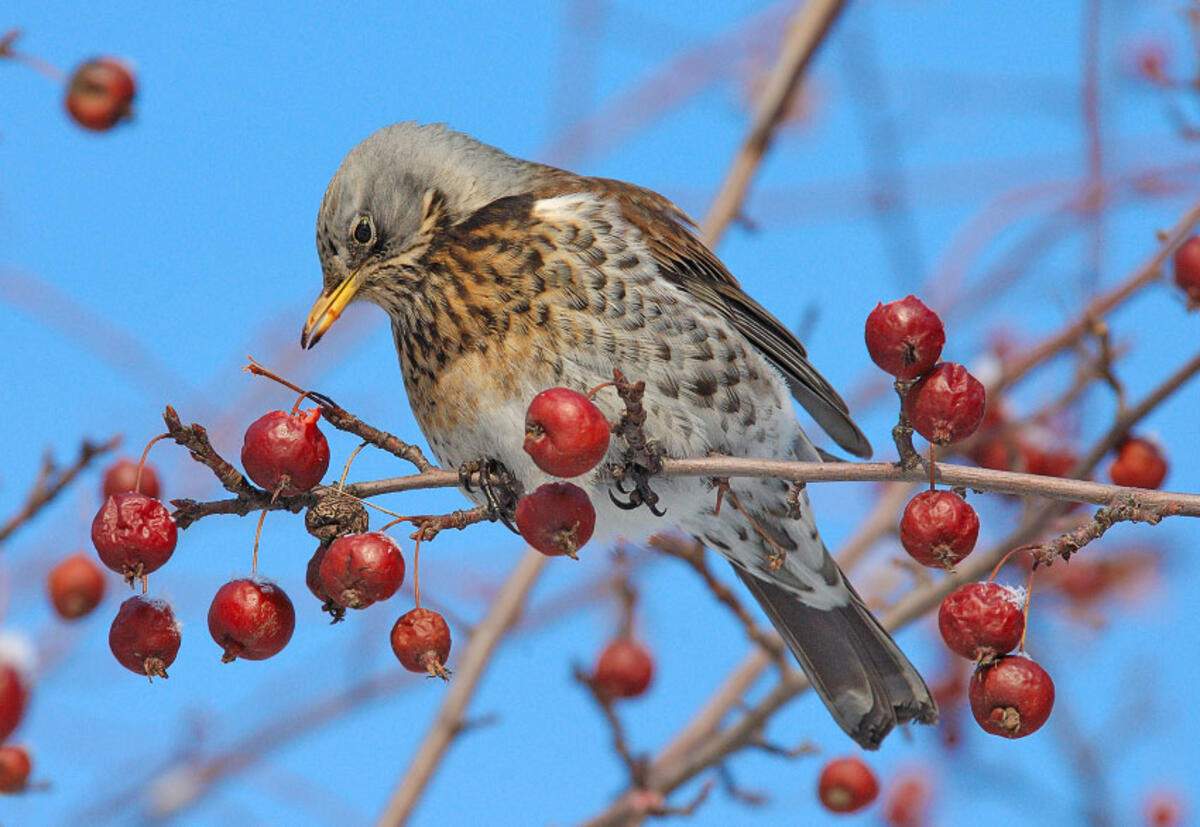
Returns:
(862,676)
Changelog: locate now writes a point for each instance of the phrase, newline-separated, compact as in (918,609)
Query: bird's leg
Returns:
(499,487)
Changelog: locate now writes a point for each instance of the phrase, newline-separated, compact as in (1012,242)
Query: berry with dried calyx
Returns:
(360,569)
(847,785)
(556,519)
(14,696)
(76,586)
(905,337)
(624,669)
(938,528)
(145,637)
(945,405)
(1187,270)
(286,451)
(565,433)
(1139,464)
(122,475)
(312,578)
(133,534)
(251,619)
(982,620)
(100,93)
(15,766)
(421,641)
(1011,697)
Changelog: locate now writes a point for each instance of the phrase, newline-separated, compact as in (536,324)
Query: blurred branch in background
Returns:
(52,479)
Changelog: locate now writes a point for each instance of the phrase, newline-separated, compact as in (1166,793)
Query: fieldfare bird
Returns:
(504,277)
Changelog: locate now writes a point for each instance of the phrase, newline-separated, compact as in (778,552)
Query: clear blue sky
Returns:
(138,268)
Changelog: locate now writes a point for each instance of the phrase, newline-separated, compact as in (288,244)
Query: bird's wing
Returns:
(685,261)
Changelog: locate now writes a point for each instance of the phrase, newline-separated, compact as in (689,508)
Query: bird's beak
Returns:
(327,308)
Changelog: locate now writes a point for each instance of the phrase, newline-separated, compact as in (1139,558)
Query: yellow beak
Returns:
(327,308)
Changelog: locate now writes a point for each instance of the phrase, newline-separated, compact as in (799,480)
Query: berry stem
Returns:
(137,480)
(42,67)
(257,535)
(1025,610)
(346,468)
(1003,560)
(417,572)
(258,370)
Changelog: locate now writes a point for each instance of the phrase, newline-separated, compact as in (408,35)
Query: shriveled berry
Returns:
(1011,697)
(624,669)
(14,696)
(847,785)
(421,641)
(982,620)
(133,534)
(1139,464)
(556,519)
(945,405)
(145,637)
(361,569)
(906,803)
(938,528)
(76,586)
(1187,270)
(121,476)
(565,433)
(905,337)
(279,445)
(251,619)
(15,766)
(335,515)
(100,93)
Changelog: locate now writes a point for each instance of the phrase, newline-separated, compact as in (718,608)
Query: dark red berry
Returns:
(251,619)
(361,569)
(905,337)
(144,636)
(133,534)
(1187,270)
(1048,462)
(421,641)
(565,433)
(312,577)
(76,586)
(100,93)
(907,801)
(15,767)
(624,669)
(556,519)
(847,785)
(982,620)
(121,476)
(945,405)
(1164,808)
(1139,464)
(938,528)
(1011,697)
(14,695)
(279,445)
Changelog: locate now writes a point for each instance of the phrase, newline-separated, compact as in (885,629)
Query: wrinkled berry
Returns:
(361,569)
(905,337)
(982,620)
(421,641)
(144,636)
(938,528)
(945,405)
(251,619)
(133,534)
(279,445)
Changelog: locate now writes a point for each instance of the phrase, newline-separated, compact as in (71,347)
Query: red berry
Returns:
(905,337)
(982,620)
(15,767)
(624,669)
(133,534)
(14,695)
(565,433)
(100,93)
(121,476)
(946,405)
(1187,270)
(847,785)
(938,528)
(1011,697)
(907,802)
(1048,462)
(280,445)
(312,577)
(251,619)
(557,518)
(1139,464)
(1164,809)
(421,641)
(361,569)
(144,636)
(1150,61)
(76,586)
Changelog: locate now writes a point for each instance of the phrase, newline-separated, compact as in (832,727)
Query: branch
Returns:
(504,612)
(51,482)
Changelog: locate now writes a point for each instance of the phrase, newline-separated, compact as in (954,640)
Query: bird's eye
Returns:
(364,230)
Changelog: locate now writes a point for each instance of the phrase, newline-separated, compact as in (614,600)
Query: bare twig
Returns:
(51,482)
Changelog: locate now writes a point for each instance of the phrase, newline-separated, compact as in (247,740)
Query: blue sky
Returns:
(139,267)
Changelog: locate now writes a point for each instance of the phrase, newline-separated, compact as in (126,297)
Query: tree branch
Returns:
(51,482)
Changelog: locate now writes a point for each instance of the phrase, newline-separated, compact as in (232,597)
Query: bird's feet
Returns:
(641,459)
(499,487)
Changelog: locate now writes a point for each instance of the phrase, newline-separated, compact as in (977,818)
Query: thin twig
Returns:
(51,482)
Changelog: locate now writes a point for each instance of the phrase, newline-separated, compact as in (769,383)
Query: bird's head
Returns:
(387,200)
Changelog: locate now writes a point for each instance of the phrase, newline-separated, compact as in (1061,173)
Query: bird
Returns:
(503,277)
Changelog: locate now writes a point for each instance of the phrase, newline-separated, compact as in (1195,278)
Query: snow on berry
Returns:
(982,620)
(144,637)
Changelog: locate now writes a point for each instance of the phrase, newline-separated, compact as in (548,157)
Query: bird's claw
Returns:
(499,487)
(640,465)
